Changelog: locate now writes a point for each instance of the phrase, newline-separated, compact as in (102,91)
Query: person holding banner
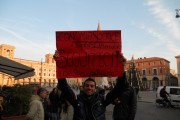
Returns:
(89,104)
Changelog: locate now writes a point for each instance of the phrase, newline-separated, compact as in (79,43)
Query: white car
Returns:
(174,94)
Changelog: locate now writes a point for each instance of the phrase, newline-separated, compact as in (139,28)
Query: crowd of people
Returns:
(63,104)
(45,105)
(89,104)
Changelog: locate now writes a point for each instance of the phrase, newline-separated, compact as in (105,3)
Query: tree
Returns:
(17,101)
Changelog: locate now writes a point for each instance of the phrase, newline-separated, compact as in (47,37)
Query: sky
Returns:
(149,27)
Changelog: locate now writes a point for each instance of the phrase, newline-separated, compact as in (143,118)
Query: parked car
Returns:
(174,95)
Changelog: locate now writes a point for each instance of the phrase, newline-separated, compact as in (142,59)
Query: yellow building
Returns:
(45,72)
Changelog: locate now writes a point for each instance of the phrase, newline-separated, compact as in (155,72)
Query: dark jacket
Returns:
(126,108)
(89,107)
(54,101)
(163,93)
(46,109)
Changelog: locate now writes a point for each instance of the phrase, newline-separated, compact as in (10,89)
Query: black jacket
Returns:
(163,93)
(89,108)
(54,102)
(126,108)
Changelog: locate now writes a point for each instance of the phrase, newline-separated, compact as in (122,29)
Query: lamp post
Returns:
(41,74)
(177,13)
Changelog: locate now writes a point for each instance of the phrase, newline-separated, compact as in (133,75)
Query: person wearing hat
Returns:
(36,111)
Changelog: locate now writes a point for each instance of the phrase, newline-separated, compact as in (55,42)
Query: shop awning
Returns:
(15,69)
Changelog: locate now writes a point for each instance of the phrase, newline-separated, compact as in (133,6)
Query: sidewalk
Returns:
(147,96)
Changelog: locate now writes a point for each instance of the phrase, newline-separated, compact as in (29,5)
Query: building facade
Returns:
(45,72)
(153,71)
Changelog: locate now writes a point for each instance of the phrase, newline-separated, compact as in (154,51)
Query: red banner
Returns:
(88,54)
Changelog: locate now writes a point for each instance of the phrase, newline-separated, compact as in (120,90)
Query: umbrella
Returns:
(15,69)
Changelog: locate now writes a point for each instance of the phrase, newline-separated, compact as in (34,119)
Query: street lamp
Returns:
(177,13)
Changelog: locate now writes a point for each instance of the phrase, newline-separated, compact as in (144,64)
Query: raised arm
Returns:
(112,95)
(67,92)
(120,83)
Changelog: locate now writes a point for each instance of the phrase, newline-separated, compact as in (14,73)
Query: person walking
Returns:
(125,104)
(36,110)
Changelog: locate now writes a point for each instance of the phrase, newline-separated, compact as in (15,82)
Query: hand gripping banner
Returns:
(88,54)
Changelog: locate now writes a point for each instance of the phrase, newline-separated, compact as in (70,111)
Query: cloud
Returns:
(25,47)
(19,36)
(164,39)
(168,46)
(165,17)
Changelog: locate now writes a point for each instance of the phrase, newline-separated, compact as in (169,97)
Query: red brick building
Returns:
(153,72)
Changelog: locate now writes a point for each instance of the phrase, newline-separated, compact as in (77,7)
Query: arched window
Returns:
(8,53)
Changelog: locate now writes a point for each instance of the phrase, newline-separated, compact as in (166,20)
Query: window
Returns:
(144,72)
(8,53)
(175,91)
(160,70)
(154,71)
